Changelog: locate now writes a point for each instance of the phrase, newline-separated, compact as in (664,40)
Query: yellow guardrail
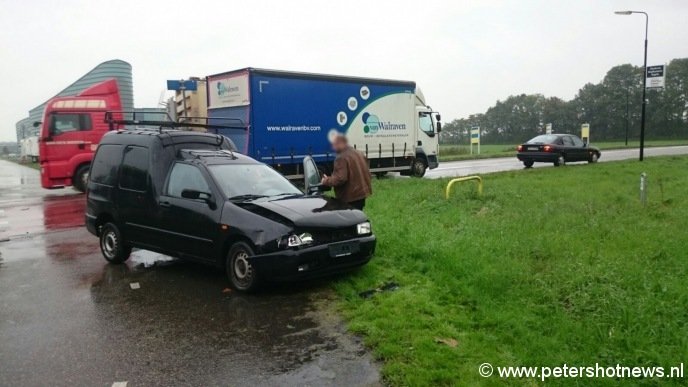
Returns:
(460,179)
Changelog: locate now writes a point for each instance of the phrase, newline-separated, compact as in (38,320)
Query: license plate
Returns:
(533,148)
(343,249)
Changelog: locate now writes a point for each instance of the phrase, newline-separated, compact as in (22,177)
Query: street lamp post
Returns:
(642,112)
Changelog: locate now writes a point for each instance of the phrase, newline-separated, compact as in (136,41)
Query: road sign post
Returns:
(655,77)
(585,133)
(182,85)
(475,138)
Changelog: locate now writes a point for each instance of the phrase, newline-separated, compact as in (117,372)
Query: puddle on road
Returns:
(285,335)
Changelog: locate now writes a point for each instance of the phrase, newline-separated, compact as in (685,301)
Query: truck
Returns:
(29,149)
(70,132)
(283,117)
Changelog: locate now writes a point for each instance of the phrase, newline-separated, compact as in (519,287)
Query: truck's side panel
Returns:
(293,117)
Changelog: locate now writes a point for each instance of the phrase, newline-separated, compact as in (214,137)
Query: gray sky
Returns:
(465,55)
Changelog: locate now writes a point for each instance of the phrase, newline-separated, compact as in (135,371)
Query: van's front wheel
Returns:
(242,275)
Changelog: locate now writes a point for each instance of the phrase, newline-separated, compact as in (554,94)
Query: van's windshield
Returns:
(251,181)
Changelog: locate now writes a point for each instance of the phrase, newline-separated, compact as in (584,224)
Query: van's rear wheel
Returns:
(112,245)
(80,179)
(242,275)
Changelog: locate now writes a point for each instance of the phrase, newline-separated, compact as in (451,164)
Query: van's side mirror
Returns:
(36,124)
(439,126)
(197,195)
(438,117)
(311,176)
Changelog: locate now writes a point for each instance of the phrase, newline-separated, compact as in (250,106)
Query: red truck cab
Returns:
(70,132)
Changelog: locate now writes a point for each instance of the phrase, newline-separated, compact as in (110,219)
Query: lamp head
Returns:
(623,12)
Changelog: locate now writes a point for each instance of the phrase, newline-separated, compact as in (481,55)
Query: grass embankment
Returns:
(463,152)
(550,266)
(29,164)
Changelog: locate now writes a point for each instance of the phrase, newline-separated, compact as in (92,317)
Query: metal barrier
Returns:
(460,179)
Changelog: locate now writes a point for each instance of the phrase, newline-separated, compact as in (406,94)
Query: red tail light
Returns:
(519,148)
(547,148)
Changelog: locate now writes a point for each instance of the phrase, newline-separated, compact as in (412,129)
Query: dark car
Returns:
(189,195)
(556,148)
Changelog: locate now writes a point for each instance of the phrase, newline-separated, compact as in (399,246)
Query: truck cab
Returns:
(70,132)
(427,132)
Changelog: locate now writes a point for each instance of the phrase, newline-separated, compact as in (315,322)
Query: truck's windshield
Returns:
(251,180)
(425,122)
(68,122)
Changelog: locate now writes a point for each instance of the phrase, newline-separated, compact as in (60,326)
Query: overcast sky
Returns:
(465,55)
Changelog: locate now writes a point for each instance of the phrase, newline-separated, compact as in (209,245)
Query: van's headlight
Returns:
(294,240)
(363,228)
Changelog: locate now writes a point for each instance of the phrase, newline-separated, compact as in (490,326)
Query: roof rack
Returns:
(198,153)
(116,118)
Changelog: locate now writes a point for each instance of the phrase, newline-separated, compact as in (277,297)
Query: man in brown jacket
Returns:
(351,176)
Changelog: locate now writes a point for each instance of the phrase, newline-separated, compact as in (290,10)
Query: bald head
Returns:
(339,143)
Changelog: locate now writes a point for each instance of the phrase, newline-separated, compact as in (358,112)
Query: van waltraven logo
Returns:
(373,124)
(223,88)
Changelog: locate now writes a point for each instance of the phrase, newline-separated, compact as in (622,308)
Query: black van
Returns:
(192,196)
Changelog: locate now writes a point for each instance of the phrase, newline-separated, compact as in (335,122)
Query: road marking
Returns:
(119,384)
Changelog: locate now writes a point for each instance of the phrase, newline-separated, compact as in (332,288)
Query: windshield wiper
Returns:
(246,197)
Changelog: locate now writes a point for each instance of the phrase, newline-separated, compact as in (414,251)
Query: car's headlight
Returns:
(363,228)
(294,240)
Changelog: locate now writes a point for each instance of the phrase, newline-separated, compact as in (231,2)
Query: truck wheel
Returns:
(112,244)
(242,275)
(528,163)
(418,168)
(80,179)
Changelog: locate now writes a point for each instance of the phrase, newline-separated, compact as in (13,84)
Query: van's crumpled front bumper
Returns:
(316,261)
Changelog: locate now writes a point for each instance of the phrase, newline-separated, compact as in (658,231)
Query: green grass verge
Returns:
(26,164)
(551,266)
(462,152)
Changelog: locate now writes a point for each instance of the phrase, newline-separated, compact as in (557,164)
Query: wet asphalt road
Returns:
(463,168)
(69,319)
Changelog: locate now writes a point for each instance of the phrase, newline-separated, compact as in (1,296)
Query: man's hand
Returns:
(324,180)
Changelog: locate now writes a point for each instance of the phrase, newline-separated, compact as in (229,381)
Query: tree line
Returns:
(609,107)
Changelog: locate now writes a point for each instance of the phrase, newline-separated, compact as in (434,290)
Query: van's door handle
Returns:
(82,146)
(165,204)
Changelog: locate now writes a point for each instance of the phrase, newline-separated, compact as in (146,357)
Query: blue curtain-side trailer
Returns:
(286,116)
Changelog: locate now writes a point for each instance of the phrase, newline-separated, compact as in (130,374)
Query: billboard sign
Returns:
(585,133)
(655,77)
(475,135)
(228,90)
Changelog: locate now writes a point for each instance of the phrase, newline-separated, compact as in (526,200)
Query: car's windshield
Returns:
(543,139)
(250,181)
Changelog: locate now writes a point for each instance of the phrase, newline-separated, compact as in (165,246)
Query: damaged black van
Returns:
(191,195)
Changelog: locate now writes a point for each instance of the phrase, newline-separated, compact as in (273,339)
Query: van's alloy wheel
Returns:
(112,244)
(240,272)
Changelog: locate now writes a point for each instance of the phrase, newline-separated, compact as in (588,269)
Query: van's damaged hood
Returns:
(311,211)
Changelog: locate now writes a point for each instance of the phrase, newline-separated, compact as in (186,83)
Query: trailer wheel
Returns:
(80,179)
(418,167)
